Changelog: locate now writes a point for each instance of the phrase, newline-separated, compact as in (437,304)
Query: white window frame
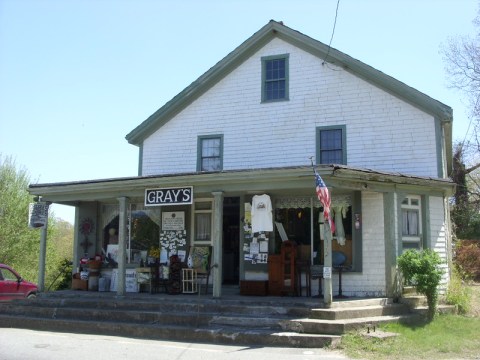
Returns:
(202,211)
(409,203)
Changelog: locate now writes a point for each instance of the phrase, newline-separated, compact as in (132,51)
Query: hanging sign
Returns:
(37,214)
(169,196)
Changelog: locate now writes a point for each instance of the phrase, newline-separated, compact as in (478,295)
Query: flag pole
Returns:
(327,259)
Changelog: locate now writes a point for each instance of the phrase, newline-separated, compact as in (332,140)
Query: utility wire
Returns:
(333,32)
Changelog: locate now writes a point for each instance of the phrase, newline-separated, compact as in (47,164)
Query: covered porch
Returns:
(374,207)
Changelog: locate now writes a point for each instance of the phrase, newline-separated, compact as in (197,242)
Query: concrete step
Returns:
(174,314)
(354,302)
(141,311)
(413,300)
(182,306)
(441,309)
(359,312)
(271,321)
(340,327)
(212,335)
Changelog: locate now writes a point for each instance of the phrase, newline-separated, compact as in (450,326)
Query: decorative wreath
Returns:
(86,226)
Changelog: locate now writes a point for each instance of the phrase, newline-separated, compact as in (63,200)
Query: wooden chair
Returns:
(201,257)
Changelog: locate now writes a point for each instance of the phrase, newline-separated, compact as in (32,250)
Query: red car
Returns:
(12,286)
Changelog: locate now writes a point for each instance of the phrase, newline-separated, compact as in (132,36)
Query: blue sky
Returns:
(76,76)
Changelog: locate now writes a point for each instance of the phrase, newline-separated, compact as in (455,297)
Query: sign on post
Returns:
(327,272)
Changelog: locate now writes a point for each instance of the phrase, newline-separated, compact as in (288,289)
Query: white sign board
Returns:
(173,220)
(327,272)
(131,284)
(169,196)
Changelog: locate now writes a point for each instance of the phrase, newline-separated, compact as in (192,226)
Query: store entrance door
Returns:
(231,240)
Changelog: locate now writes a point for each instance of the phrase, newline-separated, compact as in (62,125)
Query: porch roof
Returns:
(294,179)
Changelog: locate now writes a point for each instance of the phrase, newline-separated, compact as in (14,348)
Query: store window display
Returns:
(295,214)
(143,231)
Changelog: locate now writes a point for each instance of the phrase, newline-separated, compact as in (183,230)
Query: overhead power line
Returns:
(333,32)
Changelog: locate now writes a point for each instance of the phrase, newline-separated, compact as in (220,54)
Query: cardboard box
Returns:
(78,284)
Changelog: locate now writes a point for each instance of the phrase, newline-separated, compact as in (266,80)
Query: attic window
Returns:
(275,78)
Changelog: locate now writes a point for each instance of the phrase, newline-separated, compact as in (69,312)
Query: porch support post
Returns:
(391,216)
(122,248)
(327,263)
(76,241)
(43,252)
(217,242)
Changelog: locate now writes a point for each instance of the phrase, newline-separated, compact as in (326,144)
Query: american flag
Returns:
(324,197)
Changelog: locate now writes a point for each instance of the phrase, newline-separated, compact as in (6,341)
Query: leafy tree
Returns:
(462,64)
(19,244)
(466,209)
(62,237)
(462,58)
(421,269)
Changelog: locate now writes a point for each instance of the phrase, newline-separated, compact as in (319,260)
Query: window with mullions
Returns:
(331,143)
(275,78)
(210,153)
(203,221)
(411,222)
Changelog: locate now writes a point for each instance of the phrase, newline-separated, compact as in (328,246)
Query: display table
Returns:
(189,281)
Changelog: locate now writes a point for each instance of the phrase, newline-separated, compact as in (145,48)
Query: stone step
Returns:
(212,335)
(172,306)
(414,301)
(359,311)
(147,317)
(441,309)
(274,321)
(352,303)
(340,327)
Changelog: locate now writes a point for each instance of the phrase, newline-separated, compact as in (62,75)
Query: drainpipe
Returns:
(122,240)
(217,243)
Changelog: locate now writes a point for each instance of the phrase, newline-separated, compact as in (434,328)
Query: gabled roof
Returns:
(276,29)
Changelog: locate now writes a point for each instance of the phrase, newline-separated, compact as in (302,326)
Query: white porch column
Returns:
(122,244)
(327,263)
(217,242)
(392,213)
(43,252)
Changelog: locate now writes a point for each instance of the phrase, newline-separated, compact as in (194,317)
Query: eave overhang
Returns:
(296,179)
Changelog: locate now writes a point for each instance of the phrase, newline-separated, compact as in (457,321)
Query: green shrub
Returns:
(421,269)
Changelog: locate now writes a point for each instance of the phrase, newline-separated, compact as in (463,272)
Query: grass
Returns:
(446,337)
